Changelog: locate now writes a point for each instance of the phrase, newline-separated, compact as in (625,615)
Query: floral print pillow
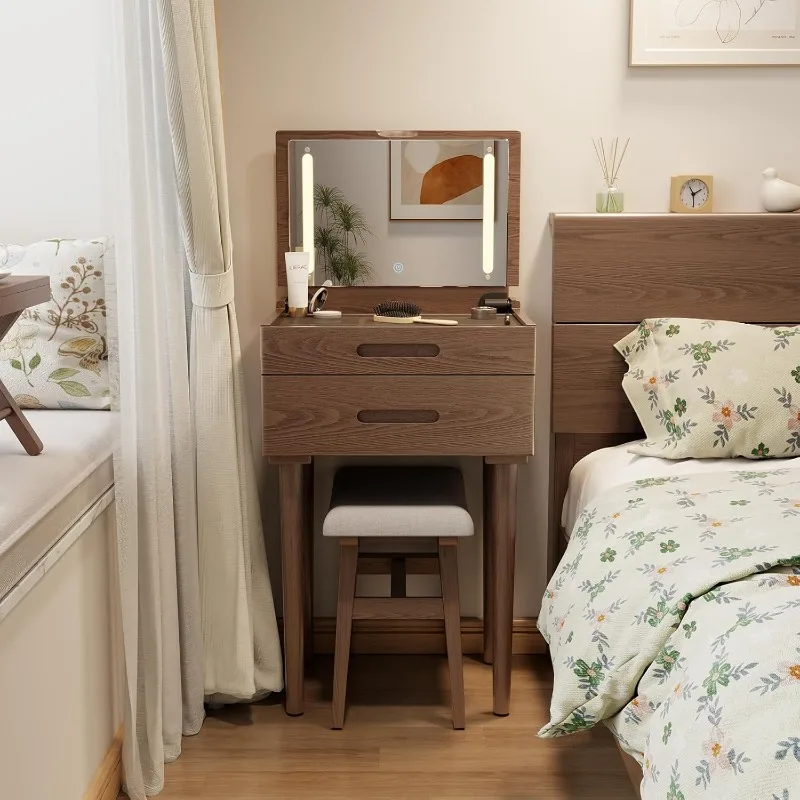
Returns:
(56,355)
(714,389)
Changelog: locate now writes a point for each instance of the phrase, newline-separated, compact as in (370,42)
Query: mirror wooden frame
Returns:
(361,299)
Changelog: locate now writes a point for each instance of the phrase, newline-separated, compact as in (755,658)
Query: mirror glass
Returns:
(403,212)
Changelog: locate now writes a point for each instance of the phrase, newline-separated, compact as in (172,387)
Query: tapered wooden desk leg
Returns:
(488,568)
(504,530)
(10,412)
(308,560)
(290,477)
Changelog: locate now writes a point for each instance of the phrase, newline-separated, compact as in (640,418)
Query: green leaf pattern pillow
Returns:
(714,389)
(56,355)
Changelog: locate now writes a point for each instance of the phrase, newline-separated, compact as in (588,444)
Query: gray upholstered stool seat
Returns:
(398,502)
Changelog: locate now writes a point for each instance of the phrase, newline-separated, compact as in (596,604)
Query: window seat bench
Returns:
(61,674)
(43,498)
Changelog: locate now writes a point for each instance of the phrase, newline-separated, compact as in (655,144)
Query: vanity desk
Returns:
(356,387)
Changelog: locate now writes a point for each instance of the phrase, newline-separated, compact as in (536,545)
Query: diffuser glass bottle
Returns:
(610,199)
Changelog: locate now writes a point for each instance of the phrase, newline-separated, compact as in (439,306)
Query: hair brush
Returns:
(402,311)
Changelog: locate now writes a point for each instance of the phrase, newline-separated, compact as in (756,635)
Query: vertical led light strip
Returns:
(488,213)
(307,175)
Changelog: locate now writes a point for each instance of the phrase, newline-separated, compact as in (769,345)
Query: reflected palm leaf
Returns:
(351,268)
(326,240)
(349,220)
(326,197)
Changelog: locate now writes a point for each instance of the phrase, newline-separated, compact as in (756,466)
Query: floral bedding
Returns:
(674,617)
(714,389)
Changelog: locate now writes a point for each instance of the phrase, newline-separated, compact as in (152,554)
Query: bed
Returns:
(745,268)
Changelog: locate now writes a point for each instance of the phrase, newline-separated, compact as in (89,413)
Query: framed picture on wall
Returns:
(714,32)
(436,179)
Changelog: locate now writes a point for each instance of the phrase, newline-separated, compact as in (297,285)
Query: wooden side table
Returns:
(16,294)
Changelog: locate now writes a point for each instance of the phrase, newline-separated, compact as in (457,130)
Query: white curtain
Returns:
(197,612)
(240,634)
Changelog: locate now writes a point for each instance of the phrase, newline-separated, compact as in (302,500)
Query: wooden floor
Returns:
(398,742)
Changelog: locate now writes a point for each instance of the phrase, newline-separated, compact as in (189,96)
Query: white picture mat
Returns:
(692,32)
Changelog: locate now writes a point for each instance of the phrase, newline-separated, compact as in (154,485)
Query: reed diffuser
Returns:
(610,199)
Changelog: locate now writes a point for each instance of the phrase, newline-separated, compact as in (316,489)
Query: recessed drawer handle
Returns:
(411,350)
(398,416)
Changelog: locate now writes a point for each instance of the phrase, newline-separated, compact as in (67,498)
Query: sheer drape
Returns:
(240,635)
(197,611)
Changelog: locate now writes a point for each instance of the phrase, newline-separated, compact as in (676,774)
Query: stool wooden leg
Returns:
(348,564)
(448,568)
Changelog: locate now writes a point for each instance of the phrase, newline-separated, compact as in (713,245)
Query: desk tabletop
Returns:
(18,292)
(366,321)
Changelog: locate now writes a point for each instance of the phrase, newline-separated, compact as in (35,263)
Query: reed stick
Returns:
(610,158)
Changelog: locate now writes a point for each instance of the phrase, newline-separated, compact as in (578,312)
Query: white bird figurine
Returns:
(778,195)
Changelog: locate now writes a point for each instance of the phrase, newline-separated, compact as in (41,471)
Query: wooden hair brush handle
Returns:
(427,321)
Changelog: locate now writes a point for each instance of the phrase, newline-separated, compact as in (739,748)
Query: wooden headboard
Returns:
(612,271)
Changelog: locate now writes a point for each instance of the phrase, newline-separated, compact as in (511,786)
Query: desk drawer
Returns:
(398,350)
(398,415)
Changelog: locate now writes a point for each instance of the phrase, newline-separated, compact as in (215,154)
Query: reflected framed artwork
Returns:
(436,179)
(714,32)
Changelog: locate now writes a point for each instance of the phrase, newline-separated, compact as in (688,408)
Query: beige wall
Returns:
(555,71)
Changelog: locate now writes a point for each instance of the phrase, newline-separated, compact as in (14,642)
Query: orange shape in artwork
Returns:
(450,179)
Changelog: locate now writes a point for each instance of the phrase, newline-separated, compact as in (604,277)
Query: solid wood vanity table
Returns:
(355,387)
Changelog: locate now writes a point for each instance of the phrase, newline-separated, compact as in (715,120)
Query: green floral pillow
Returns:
(56,355)
(714,389)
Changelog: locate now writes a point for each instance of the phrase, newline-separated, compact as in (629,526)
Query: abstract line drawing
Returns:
(733,14)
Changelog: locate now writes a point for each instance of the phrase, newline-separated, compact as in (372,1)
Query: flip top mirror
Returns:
(397,208)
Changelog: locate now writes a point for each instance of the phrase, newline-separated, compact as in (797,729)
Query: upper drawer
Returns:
(398,350)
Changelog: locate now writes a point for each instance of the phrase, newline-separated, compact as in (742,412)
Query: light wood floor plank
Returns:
(398,742)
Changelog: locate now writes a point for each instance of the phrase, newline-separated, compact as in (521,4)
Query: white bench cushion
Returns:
(398,502)
(42,496)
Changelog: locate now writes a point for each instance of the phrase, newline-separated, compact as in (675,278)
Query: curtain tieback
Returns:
(212,291)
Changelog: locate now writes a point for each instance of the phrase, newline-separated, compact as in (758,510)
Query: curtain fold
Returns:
(240,634)
(154,459)
(197,612)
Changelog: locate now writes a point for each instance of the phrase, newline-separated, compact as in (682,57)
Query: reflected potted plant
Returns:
(341,228)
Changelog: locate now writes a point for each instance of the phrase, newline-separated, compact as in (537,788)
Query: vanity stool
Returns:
(398,502)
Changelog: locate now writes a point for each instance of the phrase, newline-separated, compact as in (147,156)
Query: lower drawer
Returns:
(397,415)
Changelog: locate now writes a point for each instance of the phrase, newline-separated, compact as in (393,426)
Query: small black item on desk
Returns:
(507,320)
(498,300)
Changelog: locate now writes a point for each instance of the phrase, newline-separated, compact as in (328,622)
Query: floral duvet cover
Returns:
(674,617)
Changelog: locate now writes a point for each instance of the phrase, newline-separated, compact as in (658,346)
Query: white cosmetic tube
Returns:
(297,283)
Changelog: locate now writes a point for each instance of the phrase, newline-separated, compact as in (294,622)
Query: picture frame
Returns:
(423,172)
(714,33)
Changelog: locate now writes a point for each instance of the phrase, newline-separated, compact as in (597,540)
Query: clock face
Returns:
(694,193)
